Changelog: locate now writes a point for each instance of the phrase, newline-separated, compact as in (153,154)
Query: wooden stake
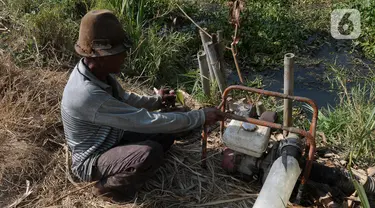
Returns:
(205,40)
(220,50)
(214,62)
(204,72)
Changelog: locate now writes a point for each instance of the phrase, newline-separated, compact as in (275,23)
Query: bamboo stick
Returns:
(204,72)
(214,62)
(187,16)
(220,49)
(206,39)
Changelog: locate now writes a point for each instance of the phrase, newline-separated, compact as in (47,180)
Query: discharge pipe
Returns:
(283,175)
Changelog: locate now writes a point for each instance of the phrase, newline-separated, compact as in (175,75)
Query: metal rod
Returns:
(288,89)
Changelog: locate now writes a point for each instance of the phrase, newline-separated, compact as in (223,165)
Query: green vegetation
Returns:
(162,35)
(351,124)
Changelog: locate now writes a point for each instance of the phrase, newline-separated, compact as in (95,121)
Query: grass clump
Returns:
(269,29)
(44,31)
(159,58)
(50,26)
(351,124)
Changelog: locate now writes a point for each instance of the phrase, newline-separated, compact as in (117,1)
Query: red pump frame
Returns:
(309,135)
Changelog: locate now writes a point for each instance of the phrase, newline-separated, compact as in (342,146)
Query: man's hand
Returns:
(212,115)
(168,97)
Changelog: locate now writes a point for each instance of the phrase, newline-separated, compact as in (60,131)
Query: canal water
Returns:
(312,81)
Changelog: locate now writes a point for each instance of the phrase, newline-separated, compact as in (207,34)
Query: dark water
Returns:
(311,80)
(306,84)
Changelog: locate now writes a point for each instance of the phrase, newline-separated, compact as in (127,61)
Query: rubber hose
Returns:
(339,178)
(331,176)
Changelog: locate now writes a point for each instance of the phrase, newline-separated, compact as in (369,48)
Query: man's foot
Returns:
(112,196)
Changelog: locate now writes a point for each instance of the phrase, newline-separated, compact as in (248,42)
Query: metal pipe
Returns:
(288,89)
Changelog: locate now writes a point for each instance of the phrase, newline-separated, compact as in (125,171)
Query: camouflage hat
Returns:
(101,34)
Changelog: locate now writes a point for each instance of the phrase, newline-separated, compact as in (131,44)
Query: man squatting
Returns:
(116,137)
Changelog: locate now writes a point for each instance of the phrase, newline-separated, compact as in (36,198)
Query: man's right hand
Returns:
(212,115)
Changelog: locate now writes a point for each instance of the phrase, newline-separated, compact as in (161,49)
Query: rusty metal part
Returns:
(309,135)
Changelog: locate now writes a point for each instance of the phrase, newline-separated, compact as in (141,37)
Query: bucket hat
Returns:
(101,34)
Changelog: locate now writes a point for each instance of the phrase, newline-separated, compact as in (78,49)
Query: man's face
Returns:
(113,63)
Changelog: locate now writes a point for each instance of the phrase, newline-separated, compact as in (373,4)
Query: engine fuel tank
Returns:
(252,143)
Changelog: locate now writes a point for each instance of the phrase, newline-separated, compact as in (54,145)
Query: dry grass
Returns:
(32,149)
(31,130)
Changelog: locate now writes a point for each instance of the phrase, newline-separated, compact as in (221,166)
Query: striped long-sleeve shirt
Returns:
(96,114)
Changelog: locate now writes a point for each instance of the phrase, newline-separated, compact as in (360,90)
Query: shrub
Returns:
(51,26)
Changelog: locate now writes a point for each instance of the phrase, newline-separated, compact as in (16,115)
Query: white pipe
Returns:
(279,184)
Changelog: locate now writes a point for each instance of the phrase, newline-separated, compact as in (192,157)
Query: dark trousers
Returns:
(125,168)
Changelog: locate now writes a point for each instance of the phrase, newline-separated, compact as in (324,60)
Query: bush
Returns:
(51,26)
